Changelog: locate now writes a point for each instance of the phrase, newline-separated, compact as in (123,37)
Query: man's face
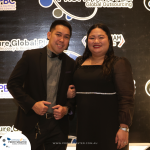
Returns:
(58,39)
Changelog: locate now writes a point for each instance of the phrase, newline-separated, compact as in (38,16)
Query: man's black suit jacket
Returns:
(28,85)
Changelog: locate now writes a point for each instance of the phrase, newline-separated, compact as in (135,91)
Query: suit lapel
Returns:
(43,66)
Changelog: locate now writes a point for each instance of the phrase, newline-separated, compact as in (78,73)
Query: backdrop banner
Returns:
(24,25)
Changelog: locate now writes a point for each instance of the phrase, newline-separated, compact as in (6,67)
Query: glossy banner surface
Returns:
(24,25)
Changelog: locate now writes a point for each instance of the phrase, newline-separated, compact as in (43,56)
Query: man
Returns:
(39,84)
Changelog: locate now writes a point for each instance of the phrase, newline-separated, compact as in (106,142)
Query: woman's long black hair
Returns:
(109,57)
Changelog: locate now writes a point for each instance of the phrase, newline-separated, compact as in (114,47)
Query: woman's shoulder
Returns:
(79,60)
(121,63)
(120,60)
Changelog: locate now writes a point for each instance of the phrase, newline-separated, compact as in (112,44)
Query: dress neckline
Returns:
(90,65)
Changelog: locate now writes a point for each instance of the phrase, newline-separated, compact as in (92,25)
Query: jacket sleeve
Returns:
(16,82)
(71,102)
(125,90)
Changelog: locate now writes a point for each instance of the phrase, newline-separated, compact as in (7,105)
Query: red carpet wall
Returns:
(24,25)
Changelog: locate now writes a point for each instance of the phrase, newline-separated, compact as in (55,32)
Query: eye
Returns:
(101,37)
(67,37)
(58,34)
(91,38)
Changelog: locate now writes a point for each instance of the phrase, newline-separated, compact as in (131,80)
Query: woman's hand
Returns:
(121,138)
(71,93)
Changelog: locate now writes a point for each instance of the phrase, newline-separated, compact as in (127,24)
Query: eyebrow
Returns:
(61,33)
(98,35)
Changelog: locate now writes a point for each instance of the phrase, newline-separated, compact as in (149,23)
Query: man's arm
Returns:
(16,82)
(40,107)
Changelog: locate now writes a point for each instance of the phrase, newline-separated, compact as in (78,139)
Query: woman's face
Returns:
(98,42)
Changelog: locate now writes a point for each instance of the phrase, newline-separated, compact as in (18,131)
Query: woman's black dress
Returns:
(99,115)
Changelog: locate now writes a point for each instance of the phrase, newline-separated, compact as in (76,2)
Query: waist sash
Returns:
(96,93)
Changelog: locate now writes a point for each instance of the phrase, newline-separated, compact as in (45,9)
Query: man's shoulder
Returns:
(35,51)
(68,58)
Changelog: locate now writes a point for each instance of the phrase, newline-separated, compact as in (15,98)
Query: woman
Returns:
(104,94)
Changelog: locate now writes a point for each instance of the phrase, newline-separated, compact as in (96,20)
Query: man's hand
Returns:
(40,108)
(59,111)
(121,138)
(71,93)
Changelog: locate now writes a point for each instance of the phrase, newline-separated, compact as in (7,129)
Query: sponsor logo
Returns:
(14,141)
(20,45)
(60,11)
(118,40)
(72,139)
(147,87)
(147,4)
(6,129)
(7,5)
(4,93)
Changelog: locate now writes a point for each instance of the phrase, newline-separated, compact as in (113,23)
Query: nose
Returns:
(96,40)
(61,39)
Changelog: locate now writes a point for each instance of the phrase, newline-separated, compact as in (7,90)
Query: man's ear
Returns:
(48,35)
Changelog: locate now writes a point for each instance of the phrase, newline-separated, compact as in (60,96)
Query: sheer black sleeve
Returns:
(79,61)
(125,90)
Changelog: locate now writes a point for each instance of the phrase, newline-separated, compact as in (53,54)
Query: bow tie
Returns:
(53,55)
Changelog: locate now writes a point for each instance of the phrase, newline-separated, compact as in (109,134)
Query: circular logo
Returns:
(147,4)
(147,88)
(60,11)
(14,141)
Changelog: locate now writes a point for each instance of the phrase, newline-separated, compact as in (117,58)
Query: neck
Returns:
(97,60)
(49,48)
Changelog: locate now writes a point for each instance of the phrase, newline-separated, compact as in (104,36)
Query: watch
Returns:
(124,129)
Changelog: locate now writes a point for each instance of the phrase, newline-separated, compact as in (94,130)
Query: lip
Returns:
(60,45)
(97,46)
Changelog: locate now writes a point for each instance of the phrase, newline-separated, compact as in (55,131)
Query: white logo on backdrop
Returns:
(147,87)
(134,86)
(60,11)
(7,5)
(20,45)
(73,139)
(118,40)
(4,93)
(147,4)
(6,129)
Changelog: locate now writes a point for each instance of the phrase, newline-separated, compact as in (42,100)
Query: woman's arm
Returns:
(125,91)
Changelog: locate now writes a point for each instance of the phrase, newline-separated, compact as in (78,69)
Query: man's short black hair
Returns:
(61,22)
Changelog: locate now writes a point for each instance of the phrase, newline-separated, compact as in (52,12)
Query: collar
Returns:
(53,55)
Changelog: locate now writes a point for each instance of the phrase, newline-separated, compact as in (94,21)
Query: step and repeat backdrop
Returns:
(24,25)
